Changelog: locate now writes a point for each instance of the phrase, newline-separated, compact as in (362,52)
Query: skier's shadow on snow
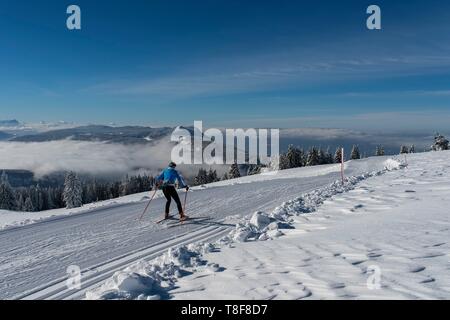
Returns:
(205,221)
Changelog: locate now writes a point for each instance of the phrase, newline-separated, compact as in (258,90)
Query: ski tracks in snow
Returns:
(95,275)
(386,239)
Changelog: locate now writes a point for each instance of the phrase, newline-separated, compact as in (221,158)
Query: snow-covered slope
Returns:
(386,239)
(380,236)
(106,239)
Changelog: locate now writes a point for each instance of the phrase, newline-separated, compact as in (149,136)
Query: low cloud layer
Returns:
(115,159)
(95,158)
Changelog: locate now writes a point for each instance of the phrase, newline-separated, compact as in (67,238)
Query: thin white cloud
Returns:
(358,94)
(267,72)
(428,120)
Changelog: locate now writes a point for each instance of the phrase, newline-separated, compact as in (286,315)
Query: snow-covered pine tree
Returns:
(290,156)
(440,143)
(124,187)
(234,171)
(7,197)
(283,162)
(28,205)
(40,199)
(201,178)
(412,149)
(72,191)
(274,163)
(379,151)
(404,150)
(338,155)
(322,159)
(313,157)
(50,199)
(328,156)
(325,157)
(20,202)
(294,157)
(355,155)
(133,186)
(212,176)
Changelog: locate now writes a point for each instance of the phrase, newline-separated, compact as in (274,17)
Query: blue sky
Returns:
(228,63)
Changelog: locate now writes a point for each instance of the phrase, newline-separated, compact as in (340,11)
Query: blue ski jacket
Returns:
(169,176)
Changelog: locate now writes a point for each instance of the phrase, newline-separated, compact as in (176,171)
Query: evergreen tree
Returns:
(322,159)
(440,143)
(328,157)
(313,158)
(201,178)
(124,190)
(412,149)
(40,199)
(234,171)
(404,150)
(355,155)
(294,157)
(325,157)
(72,191)
(283,162)
(50,199)
(212,176)
(28,205)
(20,202)
(338,155)
(379,151)
(7,197)
(115,189)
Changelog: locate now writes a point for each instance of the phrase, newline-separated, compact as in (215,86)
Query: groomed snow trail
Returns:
(386,239)
(34,258)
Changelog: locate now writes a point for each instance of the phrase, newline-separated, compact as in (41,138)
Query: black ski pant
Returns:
(170,192)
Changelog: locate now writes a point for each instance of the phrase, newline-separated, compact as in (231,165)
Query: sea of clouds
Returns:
(97,158)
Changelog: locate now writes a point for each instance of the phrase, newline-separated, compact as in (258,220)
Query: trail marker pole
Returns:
(342,165)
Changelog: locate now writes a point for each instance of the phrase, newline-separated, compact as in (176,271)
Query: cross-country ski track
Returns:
(34,258)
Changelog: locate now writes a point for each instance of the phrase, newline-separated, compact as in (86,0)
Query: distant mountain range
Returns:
(9,123)
(303,137)
(126,135)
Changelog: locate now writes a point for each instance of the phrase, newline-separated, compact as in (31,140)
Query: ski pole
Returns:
(185,199)
(145,210)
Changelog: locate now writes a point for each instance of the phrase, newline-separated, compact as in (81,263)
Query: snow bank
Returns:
(150,280)
(263,226)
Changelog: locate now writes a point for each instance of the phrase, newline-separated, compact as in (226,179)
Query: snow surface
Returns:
(325,237)
(394,224)
(397,224)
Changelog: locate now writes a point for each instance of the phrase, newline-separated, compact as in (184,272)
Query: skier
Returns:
(166,181)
